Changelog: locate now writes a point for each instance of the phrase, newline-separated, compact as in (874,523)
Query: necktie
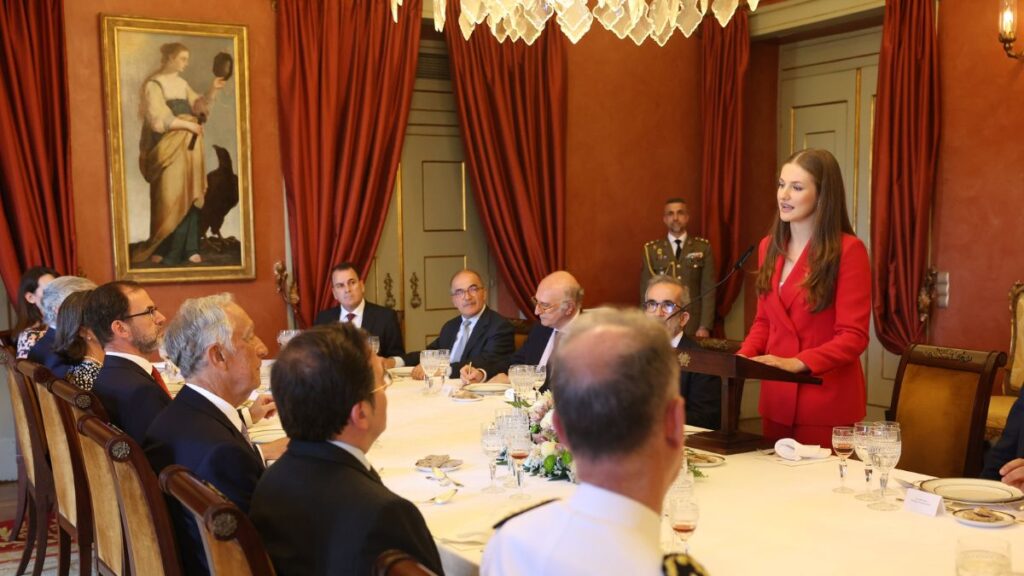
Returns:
(460,346)
(160,380)
(350,317)
(679,249)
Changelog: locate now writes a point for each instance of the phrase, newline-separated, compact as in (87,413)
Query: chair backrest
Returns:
(29,424)
(941,401)
(75,403)
(398,563)
(147,525)
(8,338)
(1014,379)
(231,542)
(65,455)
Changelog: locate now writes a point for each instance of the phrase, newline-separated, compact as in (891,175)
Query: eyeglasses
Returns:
(472,291)
(387,384)
(666,306)
(544,306)
(151,310)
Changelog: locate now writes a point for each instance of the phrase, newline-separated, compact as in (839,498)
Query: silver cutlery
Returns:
(442,498)
(445,478)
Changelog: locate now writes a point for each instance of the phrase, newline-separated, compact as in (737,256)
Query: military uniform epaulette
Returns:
(502,522)
(681,565)
(699,239)
(652,242)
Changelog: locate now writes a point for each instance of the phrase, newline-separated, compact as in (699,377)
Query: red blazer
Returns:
(829,342)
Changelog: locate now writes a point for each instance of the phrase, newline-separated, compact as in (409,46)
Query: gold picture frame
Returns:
(179,147)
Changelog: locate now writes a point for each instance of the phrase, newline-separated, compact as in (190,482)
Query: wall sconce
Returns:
(1008,27)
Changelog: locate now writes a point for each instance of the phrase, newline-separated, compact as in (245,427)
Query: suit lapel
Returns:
(197,402)
(117,362)
(479,330)
(791,288)
(370,319)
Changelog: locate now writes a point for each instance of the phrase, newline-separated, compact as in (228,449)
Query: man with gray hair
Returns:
(214,343)
(54,295)
(618,410)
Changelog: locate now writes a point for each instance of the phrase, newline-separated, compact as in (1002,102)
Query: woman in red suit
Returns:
(813,305)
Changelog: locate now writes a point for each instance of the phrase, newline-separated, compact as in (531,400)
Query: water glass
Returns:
(374,343)
(444,363)
(843,444)
(285,335)
(522,377)
(861,437)
(540,376)
(885,447)
(492,442)
(982,556)
(429,364)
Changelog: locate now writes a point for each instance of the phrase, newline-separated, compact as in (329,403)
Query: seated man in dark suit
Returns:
(665,301)
(478,335)
(322,509)
(1005,461)
(557,303)
(379,321)
(213,342)
(53,296)
(129,327)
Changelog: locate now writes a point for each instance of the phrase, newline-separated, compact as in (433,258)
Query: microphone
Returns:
(739,264)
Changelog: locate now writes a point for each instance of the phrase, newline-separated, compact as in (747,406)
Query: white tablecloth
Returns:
(758,516)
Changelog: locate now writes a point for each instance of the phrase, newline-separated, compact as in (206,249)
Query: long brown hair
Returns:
(826,244)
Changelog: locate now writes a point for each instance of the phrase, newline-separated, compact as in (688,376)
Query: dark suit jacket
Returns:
(42,353)
(1010,445)
(489,346)
(320,511)
(132,398)
(532,350)
(703,394)
(192,432)
(377,320)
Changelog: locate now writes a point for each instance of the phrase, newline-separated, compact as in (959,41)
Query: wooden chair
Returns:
(522,327)
(74,508)
(398,563)
(233,547)
(75,403)
(8,363)
(147,525)
(8,339)
(940,399)
(38,474)
(1013,376)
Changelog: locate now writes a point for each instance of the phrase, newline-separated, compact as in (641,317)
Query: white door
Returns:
(433,229)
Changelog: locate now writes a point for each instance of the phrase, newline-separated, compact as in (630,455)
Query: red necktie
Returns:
(350,317)
(160,380)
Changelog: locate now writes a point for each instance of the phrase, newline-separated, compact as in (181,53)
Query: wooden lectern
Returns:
(733,370)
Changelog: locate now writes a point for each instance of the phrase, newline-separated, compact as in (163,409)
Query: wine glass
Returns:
(285,335)
(540,376)
(492,443)
(521,376)
(428,362)
(519,448)
(374,343)
(885,447)
(843,444)
(861,438)
(444,364)
(683,514)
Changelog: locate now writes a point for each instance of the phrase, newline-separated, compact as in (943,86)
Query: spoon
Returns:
(442,498)
(445,478)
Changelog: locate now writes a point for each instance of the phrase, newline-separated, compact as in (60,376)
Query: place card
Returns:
(923,502)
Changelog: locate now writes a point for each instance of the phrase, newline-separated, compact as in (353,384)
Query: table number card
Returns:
(923,502)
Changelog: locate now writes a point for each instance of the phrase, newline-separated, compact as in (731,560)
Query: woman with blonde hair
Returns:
(813,305)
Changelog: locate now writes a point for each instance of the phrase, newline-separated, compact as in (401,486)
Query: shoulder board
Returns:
(699,239)
(681,565)
(502,522)
(651,243)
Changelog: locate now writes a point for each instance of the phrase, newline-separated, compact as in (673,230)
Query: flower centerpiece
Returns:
(549,458)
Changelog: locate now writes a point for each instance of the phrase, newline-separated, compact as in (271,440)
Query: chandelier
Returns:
(524,20)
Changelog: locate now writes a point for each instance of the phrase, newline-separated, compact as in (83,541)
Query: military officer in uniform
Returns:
(687,258)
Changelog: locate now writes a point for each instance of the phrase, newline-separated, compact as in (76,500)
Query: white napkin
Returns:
(790,449)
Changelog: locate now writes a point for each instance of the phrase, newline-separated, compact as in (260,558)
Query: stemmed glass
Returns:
(843,444)
(540,376)
(429,363)
(374,344)
(861,438)
(521,376)
(285,335)
(885,447)
(683,514)
(492,443)
(519,448)
(444,364)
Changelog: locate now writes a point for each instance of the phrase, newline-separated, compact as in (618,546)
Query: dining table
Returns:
(759,514)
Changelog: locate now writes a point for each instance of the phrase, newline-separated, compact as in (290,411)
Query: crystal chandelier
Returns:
(524,20)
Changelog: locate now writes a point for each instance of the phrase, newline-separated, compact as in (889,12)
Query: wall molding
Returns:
(777,19)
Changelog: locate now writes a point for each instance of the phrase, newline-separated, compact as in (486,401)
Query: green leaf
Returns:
(549,464)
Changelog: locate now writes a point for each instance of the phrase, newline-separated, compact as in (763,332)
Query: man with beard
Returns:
(128,325)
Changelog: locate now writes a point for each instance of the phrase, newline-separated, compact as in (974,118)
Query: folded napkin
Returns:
(790,449)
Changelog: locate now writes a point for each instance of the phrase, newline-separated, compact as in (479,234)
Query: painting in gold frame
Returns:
(177,106)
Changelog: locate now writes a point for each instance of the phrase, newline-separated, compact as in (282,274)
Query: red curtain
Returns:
(512,102)
(345,78)
(37,224)
(726,54)
(905,152)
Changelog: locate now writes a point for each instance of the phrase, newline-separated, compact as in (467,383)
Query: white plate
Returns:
(972,490)
(403,372)
(487,387)
(1004,519)
(704,460)
(466,400)
(428,469)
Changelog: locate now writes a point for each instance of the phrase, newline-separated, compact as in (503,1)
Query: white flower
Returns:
(547,449)
(546,422)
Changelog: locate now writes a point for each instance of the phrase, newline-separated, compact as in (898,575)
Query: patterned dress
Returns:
(28,338)
(84,373)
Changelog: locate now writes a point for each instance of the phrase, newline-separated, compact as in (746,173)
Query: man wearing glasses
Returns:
(129,326)
(665,300)
(558,301)
(478,336)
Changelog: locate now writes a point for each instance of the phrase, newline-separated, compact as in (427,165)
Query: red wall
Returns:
(90,163)
(633,140)
(978,225)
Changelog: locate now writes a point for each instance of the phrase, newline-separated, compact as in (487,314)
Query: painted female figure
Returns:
(171,159)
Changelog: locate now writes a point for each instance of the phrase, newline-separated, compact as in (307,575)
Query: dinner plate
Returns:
(466,400)
(445,468)
(972,490)
(487,387)
(992,519)
(403,372)
(704,460)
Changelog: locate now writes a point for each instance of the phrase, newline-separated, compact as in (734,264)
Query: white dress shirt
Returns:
(594,532)
(672,242)
(551,341)
(142,362)
(358,320)
(229,411)
(356,452)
